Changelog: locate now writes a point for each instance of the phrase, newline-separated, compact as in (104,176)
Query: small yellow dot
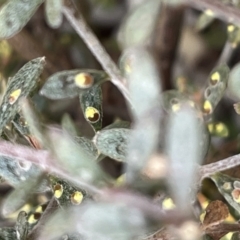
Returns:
(76,198)
(13,97)
(215,78)
(209,12)
(58,190)
(176,107)
(222,129)
(83,80)
(210,127)
(92,114)
(231,28)
(207,107)
(236,195)
(227,186)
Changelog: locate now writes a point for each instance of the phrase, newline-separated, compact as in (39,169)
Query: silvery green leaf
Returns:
(88,145)
(173,99)
(204,20)
(143,141)
(143,83)
(113,143)
(91,104)
(69,83)
(68,125)
(15,172)
(74,158)
(138,26)
(65,193)
(217,84)
(118,124)
(20,124)
(233,33)
(20,86)
(53,12)
(32,119)
(234,83)
(15,14)
(22,226)
(225,186)
(18,197)
(100,221)
(8,233)
(183,150)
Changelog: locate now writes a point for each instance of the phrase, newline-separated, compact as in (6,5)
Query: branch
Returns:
(225,164)
(80,26)
(43,159)
(221,10)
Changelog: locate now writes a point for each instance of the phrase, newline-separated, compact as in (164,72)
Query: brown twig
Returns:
(225,164)
(80,26)
(222,11)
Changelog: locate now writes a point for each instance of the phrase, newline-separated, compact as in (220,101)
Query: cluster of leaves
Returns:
(161,149)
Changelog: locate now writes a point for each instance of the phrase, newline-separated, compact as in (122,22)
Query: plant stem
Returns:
(44,160)
(225,164)
(80,26)
(222,11)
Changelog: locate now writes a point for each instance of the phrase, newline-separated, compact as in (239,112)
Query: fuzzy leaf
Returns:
(65,193)
(183,150)
(139,24)
(225,186)
(88,146)
(74,158)
(91,104)
(97,221)
(68,125)
(20,86)
(18,197)
(22,226)
(143,83)
(15,14)
(53,12)
(217,84)
(234,83)
(204,20)
(68,84)
(113,143)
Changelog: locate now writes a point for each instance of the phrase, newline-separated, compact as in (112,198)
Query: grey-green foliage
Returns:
(15,14)
(138,26)
(53,12)
(67,190)
(204,20)
(184,153)
(15,172)
(22,226)
(91,104)
(113,143)
(217,84)
(225,186)
(234,83)
(145,92)
(68,125)
(97,221)
(18,197)
(74,158)
(8,233)
(62,85)
(143,83)
(20,86)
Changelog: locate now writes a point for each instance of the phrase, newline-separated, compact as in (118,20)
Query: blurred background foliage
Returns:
(197,58)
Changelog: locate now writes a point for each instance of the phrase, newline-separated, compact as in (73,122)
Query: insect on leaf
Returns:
(53,12)
(113,143)
(14,15)
(68,84)
(20,86)
(91,104)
